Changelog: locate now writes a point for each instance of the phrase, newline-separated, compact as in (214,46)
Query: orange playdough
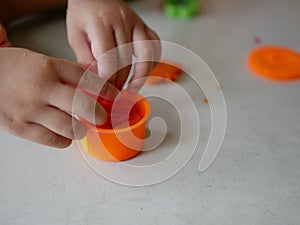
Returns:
(120,116)
(164,71)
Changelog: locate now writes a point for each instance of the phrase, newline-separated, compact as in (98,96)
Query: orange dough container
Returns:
(122,136)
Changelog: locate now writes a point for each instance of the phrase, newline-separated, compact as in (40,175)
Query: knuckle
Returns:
(37,86)
(148,52)
(108,56)
(47,62)
(17,128)
(87,80)
(67,129)
(62,142)
(51,139)
(48,138)
(39,82)
(125,14)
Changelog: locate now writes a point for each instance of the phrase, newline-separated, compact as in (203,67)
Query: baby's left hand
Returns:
(97,26)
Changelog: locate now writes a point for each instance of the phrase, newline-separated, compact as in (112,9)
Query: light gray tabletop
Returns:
(254,180)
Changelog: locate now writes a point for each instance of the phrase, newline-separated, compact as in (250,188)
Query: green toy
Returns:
(184,9)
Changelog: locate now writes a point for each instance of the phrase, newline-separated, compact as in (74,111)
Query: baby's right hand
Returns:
(37,93)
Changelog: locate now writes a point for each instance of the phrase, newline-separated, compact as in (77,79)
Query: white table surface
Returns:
(255,178)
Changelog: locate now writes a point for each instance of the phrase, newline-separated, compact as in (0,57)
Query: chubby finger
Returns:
(76,102)
(42,135)
(156,44)
(123,40)
(95,85)
(145,56)
(103,49)
(60,123)
(73,74)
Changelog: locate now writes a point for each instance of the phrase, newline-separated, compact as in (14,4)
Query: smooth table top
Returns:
(254,180)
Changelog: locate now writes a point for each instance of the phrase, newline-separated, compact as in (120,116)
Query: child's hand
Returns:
(36,97)
(96,26)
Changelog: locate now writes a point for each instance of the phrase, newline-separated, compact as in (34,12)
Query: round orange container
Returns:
(124,139)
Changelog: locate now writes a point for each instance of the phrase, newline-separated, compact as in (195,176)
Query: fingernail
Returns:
(100,115)
(79,131)
(109,92)
(133,89)
(113,92)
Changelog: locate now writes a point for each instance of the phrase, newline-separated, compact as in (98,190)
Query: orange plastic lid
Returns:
(275,62)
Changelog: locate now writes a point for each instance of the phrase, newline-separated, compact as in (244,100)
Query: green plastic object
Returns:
(184,9)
